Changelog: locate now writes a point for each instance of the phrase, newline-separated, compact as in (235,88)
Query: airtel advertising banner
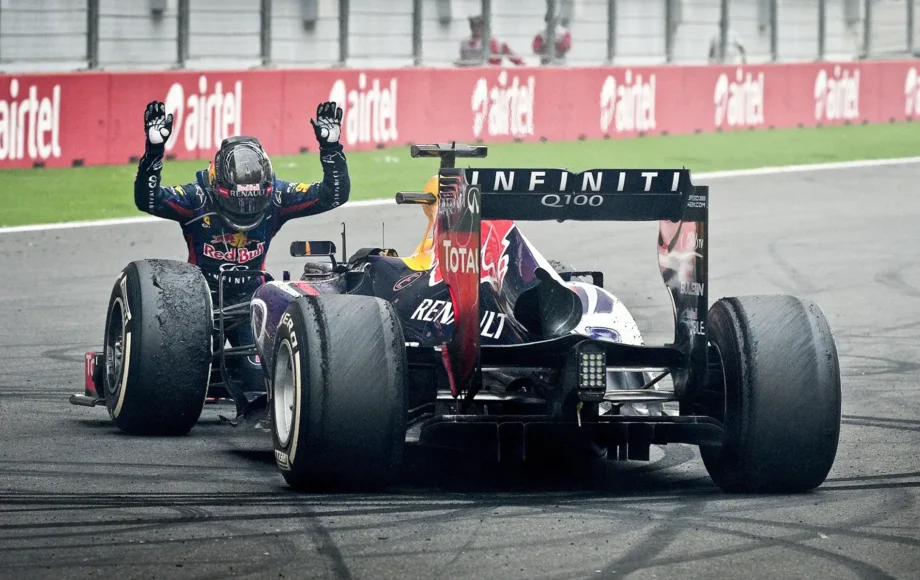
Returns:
(97,118)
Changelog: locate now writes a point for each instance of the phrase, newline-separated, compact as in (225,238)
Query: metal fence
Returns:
(157,34)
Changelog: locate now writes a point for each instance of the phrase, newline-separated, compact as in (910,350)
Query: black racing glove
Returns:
(157,125)
(328,124)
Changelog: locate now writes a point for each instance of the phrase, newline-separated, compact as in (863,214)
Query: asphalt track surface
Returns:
(79,499)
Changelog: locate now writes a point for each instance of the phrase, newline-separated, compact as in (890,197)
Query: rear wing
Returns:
(467,196)
(593,195)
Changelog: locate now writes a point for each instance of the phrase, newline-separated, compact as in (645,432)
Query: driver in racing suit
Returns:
(231,212)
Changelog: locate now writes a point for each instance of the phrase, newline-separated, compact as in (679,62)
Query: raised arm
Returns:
(303,199)
(175,203)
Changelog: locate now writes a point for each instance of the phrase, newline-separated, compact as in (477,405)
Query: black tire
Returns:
(781,381)
(340,370)
(161,311)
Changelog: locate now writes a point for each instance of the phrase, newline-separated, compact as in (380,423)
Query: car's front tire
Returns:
(339,393)
(779,376)
(157,353)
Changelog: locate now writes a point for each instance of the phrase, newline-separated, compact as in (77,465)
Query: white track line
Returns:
(784,169)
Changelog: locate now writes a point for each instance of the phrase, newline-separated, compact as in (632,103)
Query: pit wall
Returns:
(87,118)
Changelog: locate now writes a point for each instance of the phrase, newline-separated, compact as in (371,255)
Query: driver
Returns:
(231,212)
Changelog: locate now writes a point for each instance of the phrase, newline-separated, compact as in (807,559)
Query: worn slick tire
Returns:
(339,393)
(782,399)
(162,311)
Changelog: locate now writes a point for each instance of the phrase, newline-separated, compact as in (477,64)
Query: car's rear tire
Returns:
(781,382)
(339,393)
(157,357)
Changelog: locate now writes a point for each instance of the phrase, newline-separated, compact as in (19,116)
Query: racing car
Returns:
(477,336)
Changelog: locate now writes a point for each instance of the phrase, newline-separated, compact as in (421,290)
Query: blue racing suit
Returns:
(212,246)
(215,248)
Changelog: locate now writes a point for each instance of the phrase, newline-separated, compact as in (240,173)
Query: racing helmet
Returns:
(241,179)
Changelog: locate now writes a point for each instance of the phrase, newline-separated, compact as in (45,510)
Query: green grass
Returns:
(29,196)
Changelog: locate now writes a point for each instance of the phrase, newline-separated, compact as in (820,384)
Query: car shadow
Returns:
(439,470)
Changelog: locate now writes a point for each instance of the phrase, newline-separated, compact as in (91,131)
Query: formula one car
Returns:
(476,336)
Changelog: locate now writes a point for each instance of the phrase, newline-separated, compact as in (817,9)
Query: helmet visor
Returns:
(243,206)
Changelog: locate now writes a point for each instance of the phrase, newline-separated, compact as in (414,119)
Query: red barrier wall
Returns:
(96,118)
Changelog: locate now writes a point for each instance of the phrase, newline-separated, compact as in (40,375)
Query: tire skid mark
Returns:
(894,278)
(882,420)
(64,566)
(912,339)
(841,529)
(912,474)
(903,326)
(891,366)
(184,478)
(257,537)
(877,486)
(108,466)
(675,518)
(864,569)
(195,514)
(325,545)
(288,554)
(662,534)
(68,354)
(81,530)
(443,570)
(882,425)
(801,285)
(615,569)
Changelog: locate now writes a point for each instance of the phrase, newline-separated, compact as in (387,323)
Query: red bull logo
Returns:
(232,240)
(234,254)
